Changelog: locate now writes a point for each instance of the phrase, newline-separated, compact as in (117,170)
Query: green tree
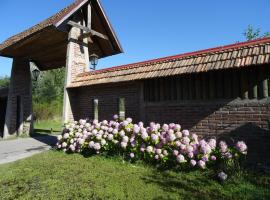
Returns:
(252,33)
(4,82)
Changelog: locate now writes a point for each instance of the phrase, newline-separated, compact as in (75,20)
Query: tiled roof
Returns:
(254,52)
(53,20)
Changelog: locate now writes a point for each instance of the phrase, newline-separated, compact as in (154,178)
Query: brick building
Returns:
(219,91)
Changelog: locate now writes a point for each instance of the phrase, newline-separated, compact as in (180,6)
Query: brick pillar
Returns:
(18,118)
(77,61)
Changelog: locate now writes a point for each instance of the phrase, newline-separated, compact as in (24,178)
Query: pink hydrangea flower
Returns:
(193,162)
(201,164)
(223,146)
(222,176)
(180,158)
(241,147)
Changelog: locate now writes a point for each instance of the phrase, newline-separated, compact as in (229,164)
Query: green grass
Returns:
(55,175)
(47,126)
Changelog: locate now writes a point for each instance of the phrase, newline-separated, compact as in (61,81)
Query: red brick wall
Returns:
(238,119)
(107,95)
(211,117)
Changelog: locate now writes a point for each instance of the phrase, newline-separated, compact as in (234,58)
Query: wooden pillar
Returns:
(197,86)
(142,102)
(254,79)
(205,86)
(121,109)
(161,83)
(178,88)
(220,85)
(227,84)
(190,79)
(236,85)
(264,82)
(211,85)
(185,80)
(95,108)
(18,119)
(244,85)
(156,90)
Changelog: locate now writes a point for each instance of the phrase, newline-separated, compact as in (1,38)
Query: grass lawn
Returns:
(48,126)
(55,175)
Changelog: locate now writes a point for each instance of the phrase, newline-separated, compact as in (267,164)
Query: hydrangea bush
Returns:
(165,144)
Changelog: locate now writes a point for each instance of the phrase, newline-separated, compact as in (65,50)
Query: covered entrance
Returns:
(3,105)
(68,39)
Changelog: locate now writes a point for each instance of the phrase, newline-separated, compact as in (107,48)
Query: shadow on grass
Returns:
(188,184)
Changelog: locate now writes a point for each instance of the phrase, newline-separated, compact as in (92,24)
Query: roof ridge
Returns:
(178,56)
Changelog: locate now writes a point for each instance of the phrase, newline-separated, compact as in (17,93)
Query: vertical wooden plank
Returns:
(190,85)
(156,90)
(219,81)
(254,79)
(204,86)
(173,88)
(95,108)
(89,16)
(197,86)
(178,88)
(142,102)
(244,84)
(121,108)
(211,85)
(161,84)
(236,84)
(227,84)
(185,87)
(264,82)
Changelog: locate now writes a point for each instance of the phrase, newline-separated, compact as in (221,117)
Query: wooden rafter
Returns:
(88,31)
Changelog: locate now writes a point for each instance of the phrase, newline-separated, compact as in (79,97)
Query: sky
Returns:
(149,29)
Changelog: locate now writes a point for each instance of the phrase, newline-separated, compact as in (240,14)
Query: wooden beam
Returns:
(89,16)
(95,33)
(88,32)
(74,24)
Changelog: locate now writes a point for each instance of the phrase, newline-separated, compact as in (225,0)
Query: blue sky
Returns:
(150,28)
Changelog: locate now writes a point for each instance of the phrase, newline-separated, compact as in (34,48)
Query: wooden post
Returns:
(244,85)
(121,109)
(197,87)
(205,86)
(178,88)
(227,84)
(173,88)
(185,87)
(190,79)
(211,85)
(264,83)
(156,90)
(236,85)
(95,108)
(161,84)
(253,77)
(220,84)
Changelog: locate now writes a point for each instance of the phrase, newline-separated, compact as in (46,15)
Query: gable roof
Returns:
(22,44)
(255,52)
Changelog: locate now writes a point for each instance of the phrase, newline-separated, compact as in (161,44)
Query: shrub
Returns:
(165,144)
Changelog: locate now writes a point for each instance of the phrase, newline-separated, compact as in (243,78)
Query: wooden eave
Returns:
(46,42)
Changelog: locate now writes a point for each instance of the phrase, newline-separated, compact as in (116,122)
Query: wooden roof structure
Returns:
(255,52)
(46,43)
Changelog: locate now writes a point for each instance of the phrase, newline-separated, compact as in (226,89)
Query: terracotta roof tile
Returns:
(224,57)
